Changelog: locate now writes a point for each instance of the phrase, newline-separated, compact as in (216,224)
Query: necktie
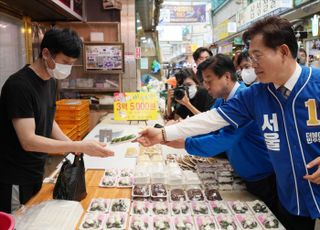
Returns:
(284,91)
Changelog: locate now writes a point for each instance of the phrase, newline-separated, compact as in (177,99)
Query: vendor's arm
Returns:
(30,141)
(57,133)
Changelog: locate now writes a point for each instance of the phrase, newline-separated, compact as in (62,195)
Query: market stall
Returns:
(157,193)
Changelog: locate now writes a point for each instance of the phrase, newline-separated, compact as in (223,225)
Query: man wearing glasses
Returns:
(285,104)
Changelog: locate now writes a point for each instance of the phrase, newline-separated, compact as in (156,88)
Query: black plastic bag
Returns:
(71,182)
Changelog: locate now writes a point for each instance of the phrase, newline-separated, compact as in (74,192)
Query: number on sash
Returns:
(312,112)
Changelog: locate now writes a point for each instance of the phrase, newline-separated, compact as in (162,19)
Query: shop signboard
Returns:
(135,106)
(184,13)
(221,31)
(260,8)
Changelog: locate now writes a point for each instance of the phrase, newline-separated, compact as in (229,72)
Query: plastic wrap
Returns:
(53,214)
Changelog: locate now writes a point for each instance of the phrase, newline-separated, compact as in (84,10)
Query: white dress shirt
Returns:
(211,120)
(204,123)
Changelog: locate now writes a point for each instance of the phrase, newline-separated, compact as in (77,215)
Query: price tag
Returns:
(135,106)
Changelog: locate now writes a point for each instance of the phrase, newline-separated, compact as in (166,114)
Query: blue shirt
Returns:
(245,147)
(291,129)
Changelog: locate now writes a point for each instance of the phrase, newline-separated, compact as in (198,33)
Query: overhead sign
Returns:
(221,31)
(135,106)
(183,13)
(260,8)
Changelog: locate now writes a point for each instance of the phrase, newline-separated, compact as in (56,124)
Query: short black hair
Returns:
(303,51)
(64,41)
(219,65)
(275,31)
(184,73)
(244,55)
(196,54)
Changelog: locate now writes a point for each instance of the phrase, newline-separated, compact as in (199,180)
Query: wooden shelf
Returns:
(94,90)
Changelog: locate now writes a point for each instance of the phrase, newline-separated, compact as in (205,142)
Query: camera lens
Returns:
(179,93)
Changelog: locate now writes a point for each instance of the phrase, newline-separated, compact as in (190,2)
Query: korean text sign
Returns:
(135,106)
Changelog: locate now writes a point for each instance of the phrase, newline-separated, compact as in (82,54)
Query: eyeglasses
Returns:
(256,58)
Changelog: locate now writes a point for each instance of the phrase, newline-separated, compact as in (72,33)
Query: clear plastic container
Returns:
(142,175)
(199,208)
(99,205)
(160,208)
(140,222)
(238,207)
(195,193)
(140,208)
(183,222)
(247,222)
(258,207)
(205,222)
(269,221)
(227,222)
(159,192)
(178,194)
(120,205)
(140,190)
(161,223)
(116,221)
(219,207)
(92,221)
(180,208)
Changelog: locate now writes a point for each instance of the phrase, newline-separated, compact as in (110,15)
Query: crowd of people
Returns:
(282,102)
(260,109)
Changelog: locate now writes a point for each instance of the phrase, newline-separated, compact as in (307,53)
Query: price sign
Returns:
(135,106)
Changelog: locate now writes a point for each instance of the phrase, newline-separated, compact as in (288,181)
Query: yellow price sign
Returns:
(135,106)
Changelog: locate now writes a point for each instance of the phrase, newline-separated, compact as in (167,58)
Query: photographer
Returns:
(187,98)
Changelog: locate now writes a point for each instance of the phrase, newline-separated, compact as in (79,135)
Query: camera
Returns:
(180,91)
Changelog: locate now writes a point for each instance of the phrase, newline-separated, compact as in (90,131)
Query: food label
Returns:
(139,106)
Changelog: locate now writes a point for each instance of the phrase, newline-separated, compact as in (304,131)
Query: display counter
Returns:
(96,165)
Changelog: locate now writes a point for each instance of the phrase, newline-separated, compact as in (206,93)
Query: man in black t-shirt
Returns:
(28,132)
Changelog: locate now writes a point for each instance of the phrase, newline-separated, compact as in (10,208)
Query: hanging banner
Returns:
(183,13)
(135,106)
(261,8)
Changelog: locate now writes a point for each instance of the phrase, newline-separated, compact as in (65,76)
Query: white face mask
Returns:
(248,76)
(192,90)
(61,71)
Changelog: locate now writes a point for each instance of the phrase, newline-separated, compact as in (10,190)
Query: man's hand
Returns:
(95,148)
(149,137)
(177,144)
(315,177)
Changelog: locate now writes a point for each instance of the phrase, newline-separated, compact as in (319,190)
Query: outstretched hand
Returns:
(149,137)
(95,148)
